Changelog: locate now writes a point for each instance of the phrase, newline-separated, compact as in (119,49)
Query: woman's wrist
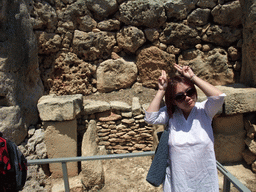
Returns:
(161,89)
(191,78)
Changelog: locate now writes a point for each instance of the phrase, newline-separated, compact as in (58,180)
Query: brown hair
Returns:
(171,89)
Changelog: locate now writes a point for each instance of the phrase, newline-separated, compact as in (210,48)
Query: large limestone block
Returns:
(150,62)
(228,124)
(180,35)
(59,108)
(229,148)
(92,46)
(71,75)
(239,99)
(205,65)
(130,38)
(120,106)
(179,9)
(93,106)
(143,13)
(116,74)
(92,171)
(222,35)
(199,16)
(101,8)
(228,14)
(61,141)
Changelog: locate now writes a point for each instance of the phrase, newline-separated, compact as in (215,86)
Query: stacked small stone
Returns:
(121,127)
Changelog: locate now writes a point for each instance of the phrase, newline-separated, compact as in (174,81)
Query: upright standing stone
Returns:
(92,171)
(229,136)
(61,141)
(60,108)
(136,107)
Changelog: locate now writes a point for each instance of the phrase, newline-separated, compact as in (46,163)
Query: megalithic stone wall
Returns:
(87,46)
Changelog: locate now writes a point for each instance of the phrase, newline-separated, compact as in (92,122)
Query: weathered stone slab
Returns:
(92,106)
(229,148)
(59,108)
(61,141)
(120,106)
(230,124)
(239,99)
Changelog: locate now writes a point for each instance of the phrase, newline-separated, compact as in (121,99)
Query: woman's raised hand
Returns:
(186,71)
(162,81)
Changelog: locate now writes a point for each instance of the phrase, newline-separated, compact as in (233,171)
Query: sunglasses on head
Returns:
(180,97)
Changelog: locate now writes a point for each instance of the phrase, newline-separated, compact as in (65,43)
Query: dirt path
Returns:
(129,175)
(243,173)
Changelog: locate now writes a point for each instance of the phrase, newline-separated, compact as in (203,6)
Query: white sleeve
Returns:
(213,104)
(159,117)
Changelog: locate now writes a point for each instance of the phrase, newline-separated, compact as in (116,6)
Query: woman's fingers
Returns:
(164,74)
(162,79)
(179,68)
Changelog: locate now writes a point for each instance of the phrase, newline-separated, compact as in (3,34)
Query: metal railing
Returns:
(228,177)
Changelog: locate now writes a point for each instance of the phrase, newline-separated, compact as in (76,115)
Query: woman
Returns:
(191,161)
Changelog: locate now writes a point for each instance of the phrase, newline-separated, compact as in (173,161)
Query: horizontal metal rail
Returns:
(228,177)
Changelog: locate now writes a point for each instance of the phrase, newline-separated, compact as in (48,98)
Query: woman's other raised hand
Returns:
(186,71)
(162,81)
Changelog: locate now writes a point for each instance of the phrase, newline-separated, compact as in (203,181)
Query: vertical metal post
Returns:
(226,184)
(65,176)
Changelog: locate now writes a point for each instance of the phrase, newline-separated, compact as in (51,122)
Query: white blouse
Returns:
(192,162)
